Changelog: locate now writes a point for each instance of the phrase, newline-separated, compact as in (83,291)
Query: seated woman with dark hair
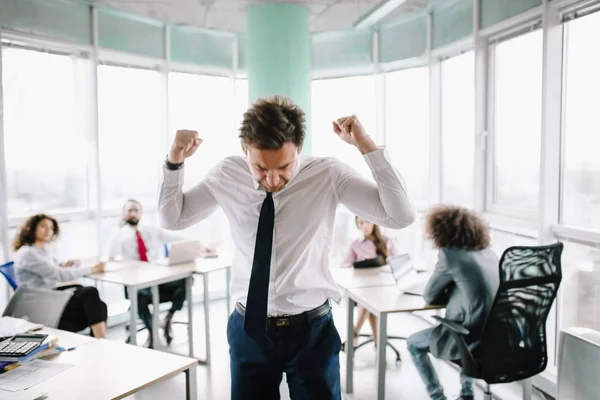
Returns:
(375,247)
(35,266)
(465,279)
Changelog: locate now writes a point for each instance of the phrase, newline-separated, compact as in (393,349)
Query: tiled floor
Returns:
(402,380)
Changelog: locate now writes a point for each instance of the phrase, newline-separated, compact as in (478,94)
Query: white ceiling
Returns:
(230,15)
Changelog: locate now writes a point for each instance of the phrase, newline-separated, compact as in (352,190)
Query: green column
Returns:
(278,55)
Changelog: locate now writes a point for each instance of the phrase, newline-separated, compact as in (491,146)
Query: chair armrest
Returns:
(453,326)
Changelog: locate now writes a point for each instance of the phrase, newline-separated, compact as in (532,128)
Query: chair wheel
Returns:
(128,340)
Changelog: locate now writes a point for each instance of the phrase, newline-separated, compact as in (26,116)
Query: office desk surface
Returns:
(68,339)
(104,369)
(206,265)
(140,273)
(388,299)
(348,278)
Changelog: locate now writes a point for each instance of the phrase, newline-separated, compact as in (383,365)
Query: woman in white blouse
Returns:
(35,266)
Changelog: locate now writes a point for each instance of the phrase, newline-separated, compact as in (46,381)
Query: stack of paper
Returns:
(22,395)
(30,374)
(10,326)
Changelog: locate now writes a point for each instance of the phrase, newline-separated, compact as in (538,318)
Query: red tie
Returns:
(141,246)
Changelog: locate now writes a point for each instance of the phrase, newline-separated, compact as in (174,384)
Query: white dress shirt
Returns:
(305,209)
(123,246)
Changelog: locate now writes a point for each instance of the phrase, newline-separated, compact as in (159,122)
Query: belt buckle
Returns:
(283,321)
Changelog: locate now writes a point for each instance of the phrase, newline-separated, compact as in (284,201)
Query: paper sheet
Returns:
(10,326)
(22,395)
(30,374)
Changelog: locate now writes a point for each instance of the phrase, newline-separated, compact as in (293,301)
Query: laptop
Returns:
(182,252)
(407,279)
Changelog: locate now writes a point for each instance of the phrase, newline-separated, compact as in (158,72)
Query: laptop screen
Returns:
(401,266)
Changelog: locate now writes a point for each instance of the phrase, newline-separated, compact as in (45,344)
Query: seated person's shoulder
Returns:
(25,254)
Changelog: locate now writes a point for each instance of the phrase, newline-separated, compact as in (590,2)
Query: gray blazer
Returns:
(466,281)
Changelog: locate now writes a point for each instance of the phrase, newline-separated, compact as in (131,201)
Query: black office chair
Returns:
(370,339)
(163,298)
(513,339)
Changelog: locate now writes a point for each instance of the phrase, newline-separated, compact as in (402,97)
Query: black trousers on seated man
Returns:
(306,349)
(171,291)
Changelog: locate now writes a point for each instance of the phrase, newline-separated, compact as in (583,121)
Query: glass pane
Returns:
(77,239)
(580,288)
(133,142)
(44,148)
(518,120)
(336,98)
(407,127)
(581,180)
(458,129)
(205,104)
(241,102)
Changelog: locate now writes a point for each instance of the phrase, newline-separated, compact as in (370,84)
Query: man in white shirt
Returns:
(281,207)
(133,241)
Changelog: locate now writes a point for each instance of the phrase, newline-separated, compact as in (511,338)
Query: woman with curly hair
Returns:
(35,266)
(465,279)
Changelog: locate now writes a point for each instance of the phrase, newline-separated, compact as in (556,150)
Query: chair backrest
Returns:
(40,306)
(513,342)
(8,271)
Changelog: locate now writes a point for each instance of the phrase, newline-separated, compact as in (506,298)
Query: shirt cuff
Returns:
(378,159)
(172,177)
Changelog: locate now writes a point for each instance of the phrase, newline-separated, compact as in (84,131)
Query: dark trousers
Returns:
(83,309)
(307,352)
(171,291)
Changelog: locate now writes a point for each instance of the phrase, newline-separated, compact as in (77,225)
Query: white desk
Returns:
(137,275)
(105,369)
(381,301)
(204,266)
(349,278)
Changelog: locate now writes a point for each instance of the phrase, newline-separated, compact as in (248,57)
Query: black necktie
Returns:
(255,320)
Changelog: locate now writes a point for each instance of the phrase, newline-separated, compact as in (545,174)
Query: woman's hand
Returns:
(98,268)
(70,263)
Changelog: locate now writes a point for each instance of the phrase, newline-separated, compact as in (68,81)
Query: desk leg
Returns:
(228,289)
(132,293)
(155,317)
(527,389)
(206,318)
(381,347)
(190,305)
(191,384)
(350,347)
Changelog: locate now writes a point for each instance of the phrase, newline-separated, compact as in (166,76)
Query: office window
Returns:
(458,129)
(241,102)
(517,120)
(336,98)
(407,127)
(205,104)
(580,297)
(133,141)
(45,147)
(581,167)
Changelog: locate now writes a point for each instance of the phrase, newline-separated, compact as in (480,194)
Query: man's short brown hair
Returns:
(271,122)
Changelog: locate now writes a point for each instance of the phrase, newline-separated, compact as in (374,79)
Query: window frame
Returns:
(79,55)
(493,206)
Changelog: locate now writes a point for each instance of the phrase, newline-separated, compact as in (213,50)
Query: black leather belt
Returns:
(289,320)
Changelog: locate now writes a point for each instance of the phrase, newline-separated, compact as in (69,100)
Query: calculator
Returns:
(21,345)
